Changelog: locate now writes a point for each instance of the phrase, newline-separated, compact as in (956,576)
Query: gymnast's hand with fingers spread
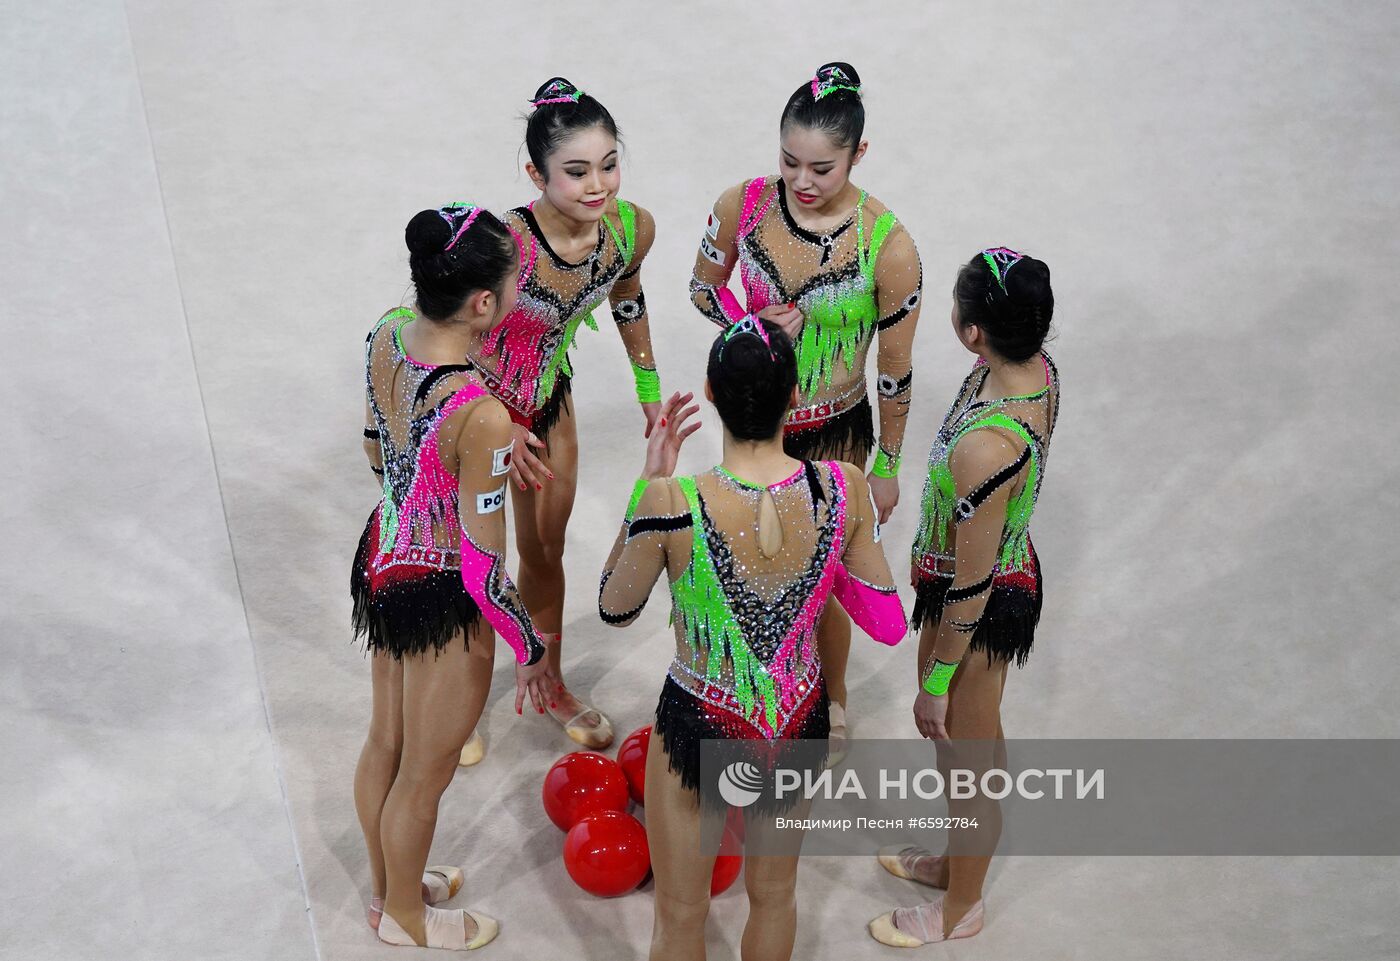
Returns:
(537,680)
(786,316)
(664,445)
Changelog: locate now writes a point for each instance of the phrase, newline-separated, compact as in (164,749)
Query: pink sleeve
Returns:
(485,578)
(751,214)
(877,610)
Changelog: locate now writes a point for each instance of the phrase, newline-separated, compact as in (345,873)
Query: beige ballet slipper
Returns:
(442,929)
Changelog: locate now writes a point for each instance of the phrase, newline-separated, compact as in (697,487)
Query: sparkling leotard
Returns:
(527,354)
(858,279)
(1011,588)
(425,569)
(746,663)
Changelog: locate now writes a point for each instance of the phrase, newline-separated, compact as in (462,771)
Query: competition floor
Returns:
(203,208)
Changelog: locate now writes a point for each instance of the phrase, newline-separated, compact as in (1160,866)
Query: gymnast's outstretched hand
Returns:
(664,445)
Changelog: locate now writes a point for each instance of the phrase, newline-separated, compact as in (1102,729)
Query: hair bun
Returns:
(556,90)
(1007,294)
(752,375)
(834,76)
(427,233)
(1029,294)
(1029,284)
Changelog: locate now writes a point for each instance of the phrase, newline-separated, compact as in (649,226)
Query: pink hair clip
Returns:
(451,213)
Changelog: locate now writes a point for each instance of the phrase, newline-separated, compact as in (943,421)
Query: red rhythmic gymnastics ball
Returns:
(632,758)
(606,854)
(581,784)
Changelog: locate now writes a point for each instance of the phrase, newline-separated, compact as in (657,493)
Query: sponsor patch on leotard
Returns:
(710,252)
(712,226)
(492,501)
(500,461)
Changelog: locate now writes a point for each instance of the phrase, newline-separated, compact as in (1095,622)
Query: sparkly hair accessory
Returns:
(459,217)
(749,325)
(835,79)
(1000,260)
(558,91)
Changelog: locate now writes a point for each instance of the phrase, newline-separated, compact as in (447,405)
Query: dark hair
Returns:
(827,102)
(570,111)
(480,259)
(1015,318)
(753,381)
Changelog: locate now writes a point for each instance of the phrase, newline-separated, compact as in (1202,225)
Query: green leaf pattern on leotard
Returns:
(709,622)
(940,499)
(838,324)
(626,240)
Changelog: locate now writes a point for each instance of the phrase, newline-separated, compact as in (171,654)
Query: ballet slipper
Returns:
(913,864)
(917,926)
(837,738)
(473,751)
(442,929)
(440,882)
(591,732)
(589,727)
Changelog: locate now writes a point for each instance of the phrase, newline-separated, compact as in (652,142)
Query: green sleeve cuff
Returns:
(885,465)
(937,680)
(638,489)
(648,384)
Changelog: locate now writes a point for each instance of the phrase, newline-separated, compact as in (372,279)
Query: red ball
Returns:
(729,862)
(606,854)
(632,758)
(581,784)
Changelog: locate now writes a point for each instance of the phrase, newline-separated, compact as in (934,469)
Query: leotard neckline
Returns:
(403,351)
(1033,395)
(528,215)
(821,240)
(723,472)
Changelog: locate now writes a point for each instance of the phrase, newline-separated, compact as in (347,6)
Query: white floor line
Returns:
(223,506)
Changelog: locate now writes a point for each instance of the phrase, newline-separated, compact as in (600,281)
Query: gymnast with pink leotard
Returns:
(429,582)
(580,244)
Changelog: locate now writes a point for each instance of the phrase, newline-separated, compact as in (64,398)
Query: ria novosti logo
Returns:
(740,784)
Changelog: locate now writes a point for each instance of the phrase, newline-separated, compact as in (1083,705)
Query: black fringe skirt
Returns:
(683,721)
(850,435)
(558,404)
(411,606)
(1007,629)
